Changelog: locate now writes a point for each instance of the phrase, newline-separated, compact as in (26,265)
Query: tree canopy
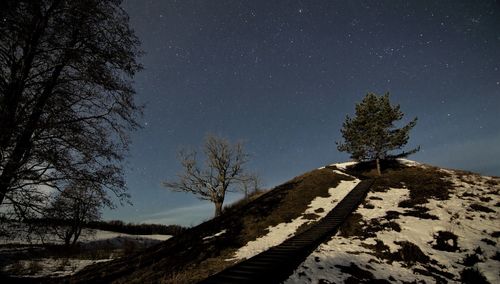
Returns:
(372,133)
(66,98)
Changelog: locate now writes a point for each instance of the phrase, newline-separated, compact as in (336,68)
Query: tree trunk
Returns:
(379,172)
(76,235)
(218,208)
(67,238)
(2,195)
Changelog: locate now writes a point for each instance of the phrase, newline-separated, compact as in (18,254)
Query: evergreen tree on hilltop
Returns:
(371,134)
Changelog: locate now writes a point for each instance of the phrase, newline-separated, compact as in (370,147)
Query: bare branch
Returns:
(224,167)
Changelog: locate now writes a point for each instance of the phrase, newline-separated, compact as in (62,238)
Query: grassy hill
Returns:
(205,249)
(418,222)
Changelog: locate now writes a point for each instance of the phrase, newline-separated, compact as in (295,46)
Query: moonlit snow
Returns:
(471,227)
(281,232)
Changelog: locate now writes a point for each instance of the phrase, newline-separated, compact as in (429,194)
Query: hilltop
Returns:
(418,222)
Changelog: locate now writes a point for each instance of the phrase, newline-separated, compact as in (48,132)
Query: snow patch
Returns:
(281,232)
(343,166)
(455,215)
(409,163)
(384,200)
(52,267)
(215,235)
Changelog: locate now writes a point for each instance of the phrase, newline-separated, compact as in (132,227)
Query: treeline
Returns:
(116,226)
(136,229)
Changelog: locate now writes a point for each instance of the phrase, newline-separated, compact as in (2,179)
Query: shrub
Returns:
(420,212)
(443,239)
(369,206)
(496,256)
(410,253)
(380,250)
(489,242)
(394,226)
(472,276)
(352,226)
(471,259)
(478,207)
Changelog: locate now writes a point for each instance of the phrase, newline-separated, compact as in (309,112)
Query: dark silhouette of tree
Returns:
(66,99)
(222,171)
(73,208)
(371,134)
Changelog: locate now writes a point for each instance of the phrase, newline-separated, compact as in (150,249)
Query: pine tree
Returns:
(371,134)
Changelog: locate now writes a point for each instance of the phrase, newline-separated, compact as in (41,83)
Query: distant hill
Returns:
(418,223)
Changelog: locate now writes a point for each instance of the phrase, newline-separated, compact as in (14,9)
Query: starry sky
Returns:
(282,75)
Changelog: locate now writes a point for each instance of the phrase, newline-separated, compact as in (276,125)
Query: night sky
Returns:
(282,75)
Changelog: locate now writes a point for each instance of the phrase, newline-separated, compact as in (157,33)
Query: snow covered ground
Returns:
(108,236)
(53,267)
(88,236)
(61,266)
(320,206)
(383,256)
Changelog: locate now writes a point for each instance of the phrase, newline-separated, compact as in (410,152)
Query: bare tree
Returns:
(222,171)
(73,208)
(66,99)
(250,183)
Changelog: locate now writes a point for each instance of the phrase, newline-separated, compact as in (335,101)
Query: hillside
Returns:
(219,243)
(419,224)
(399,234)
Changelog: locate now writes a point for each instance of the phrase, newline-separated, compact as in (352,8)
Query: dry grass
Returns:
(187,258)
(292,201)
(423,184)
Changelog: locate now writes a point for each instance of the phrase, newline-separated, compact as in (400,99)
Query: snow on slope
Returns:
(277,234)
(358,259)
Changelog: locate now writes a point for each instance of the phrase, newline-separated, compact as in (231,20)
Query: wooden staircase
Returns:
(276,264)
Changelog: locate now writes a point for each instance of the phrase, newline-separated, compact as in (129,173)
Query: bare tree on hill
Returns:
(66,99)
(223,169)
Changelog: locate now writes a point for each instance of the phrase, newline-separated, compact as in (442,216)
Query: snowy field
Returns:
(88,236)
(62,266)
(359,259)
